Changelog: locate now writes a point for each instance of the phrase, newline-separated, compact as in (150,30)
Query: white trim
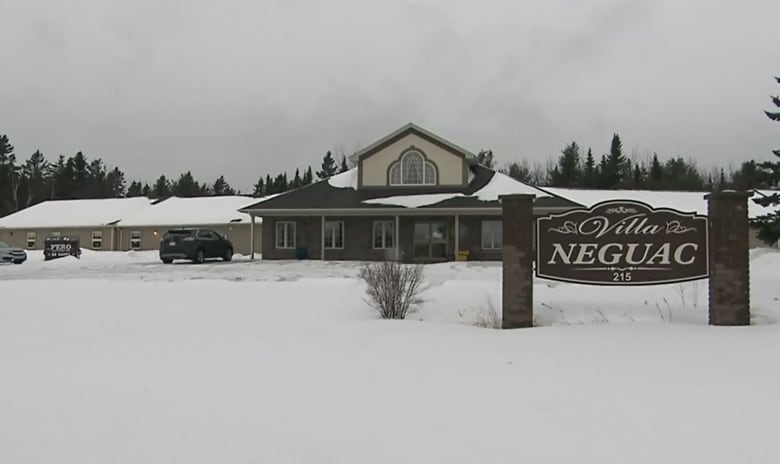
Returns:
(384,236)
(482,235)
(286,234)
(327,246)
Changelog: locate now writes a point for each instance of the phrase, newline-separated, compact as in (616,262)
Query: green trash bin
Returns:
(301,253)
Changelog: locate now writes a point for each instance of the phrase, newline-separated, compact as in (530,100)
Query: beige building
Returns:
(93,222)
(143,229)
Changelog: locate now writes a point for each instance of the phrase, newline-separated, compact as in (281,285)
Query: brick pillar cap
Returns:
(518,196)
(728,194)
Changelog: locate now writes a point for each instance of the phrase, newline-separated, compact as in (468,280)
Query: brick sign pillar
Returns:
(729,289)
(518,257)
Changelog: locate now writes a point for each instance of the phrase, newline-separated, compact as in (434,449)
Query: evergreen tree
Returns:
(162,188)
(259,190)
(567,172)
(221,187)
(147,191)
(639,178)
(135,189)
(615,165)
(519,171)
(9,177)
(485,158)
(589,174)
(328,167)
(186,186)
(656,172)
(34,180)
(344,166)
(769,172)
(115,183)
(308,177)
(297,181)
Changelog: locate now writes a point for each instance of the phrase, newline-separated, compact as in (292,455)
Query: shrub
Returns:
(393,288)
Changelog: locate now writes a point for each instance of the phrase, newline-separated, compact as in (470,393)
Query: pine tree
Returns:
(186,186)
(656,172)
(308,177)
(344,166)
(769,173)
(9,177)
(115,183)
(162,188)
(639,178)
(221,187)
(147,191)
(135,189)
(485,158)
(589,173)
(616,164)
(567,172)
(297,181)
(259,188)
(328,167)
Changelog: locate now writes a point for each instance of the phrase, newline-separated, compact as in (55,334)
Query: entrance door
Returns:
(430,240)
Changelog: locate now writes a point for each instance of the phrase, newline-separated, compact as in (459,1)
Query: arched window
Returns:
(412,169)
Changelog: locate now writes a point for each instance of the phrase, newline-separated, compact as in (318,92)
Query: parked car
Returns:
(196,245)
(9,254)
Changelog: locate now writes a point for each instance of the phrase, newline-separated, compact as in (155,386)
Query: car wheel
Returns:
(18,262)
(199,257)
(228,254)
(167,260)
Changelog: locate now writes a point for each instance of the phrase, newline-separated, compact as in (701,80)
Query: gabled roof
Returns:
(192,211)
(402,132)
(74,213)
(340,193)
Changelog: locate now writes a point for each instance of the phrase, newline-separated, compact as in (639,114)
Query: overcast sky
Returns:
(244,88)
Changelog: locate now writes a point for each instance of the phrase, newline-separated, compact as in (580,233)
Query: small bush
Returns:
(393,288)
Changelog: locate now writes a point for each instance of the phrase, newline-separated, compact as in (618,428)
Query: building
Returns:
(92,221)
(694,202)
(412,196)
(143,229)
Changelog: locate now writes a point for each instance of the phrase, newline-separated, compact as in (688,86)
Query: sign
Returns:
(58,247)
(622,242)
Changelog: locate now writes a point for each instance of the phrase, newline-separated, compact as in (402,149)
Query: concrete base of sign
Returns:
(518,278)
(729,289)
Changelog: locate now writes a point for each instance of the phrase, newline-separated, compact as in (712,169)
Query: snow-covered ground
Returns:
(117,358)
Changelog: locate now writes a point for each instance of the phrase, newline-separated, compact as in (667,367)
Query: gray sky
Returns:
(244,88)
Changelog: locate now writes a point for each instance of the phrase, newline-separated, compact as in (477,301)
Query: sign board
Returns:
(58,247)
(622,242)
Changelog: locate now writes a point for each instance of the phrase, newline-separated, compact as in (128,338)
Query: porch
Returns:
(408,238)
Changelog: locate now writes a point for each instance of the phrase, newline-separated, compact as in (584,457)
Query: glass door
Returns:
(430,240)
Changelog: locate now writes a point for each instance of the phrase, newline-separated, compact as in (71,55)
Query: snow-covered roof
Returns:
(681,201)
(74,213)
(499,184)
(178,211)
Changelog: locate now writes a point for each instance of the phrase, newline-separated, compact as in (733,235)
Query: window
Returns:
(413,170)
(384,234)
(492,235)
(135,240)
(334,234)
(31,239)
(97,239)
(285,234)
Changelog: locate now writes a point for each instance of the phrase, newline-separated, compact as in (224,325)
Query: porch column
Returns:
(397,235)
(252,238)
(457,236)
(322,240)
(113,232)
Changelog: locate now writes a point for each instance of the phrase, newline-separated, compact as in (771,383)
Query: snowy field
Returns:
(117,358)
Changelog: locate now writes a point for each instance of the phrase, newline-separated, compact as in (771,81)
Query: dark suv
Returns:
(196,245)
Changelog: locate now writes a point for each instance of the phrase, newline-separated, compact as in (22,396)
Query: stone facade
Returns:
(518,259)
(729,286)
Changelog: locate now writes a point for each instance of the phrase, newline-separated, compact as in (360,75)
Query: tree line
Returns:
(36,179)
